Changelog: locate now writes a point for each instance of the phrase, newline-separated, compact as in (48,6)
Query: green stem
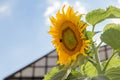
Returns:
(109,61)
(92,61)
(68,67)
(98,66)
(95,50)
(93,28)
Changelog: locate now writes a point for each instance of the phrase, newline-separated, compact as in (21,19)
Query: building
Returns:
(37,69)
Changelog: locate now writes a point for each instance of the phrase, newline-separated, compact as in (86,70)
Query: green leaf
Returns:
(89,70)
(113,12)
(90,34)
(78,62)
(58,72)
(60,75)
(114,62)
(96,16)
(112,25)
(111,35)
(113,73)
(100,77)
(75,75)
(52,72)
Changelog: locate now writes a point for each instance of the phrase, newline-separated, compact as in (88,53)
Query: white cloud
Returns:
(118,1)
(80,8)
(117,21)
(5,10)
(55,5)
(51,10)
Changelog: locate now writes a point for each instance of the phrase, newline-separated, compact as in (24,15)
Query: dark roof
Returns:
(10,76)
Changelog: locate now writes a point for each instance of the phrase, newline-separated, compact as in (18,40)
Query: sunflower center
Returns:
(69,39)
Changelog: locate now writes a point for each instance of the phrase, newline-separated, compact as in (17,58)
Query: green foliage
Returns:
(114,62)
(51,73)
(113,12)
(96,16)
(114,26)
(75,75)
(56,73)
(90,34)
(89,69)
(60,75)
(111,35)
(78,62)
(113,73)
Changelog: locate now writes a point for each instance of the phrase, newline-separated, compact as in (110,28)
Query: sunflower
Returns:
(68,37)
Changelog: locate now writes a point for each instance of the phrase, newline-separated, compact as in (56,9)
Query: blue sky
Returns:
(24,25)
